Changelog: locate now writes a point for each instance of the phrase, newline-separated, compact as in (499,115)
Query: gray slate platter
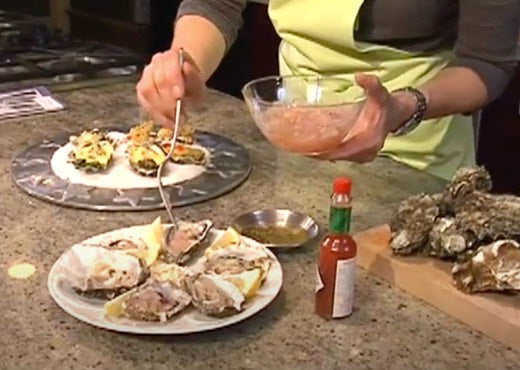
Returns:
(229,166)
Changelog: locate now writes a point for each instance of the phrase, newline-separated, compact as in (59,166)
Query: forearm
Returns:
(202,40)
(455,90)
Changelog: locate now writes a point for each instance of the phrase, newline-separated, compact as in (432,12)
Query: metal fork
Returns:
(165,199)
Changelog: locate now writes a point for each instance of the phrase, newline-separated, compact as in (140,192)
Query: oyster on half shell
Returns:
(92,151)
(179,244)
(493,267)
(153,301)
(215,296)
(102,272)
(175,274)
(145,159)
(236,259)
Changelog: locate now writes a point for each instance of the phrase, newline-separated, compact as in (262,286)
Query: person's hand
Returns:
(381,114)
(163,82)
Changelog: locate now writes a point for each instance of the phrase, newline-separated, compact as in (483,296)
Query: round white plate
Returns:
(90,310)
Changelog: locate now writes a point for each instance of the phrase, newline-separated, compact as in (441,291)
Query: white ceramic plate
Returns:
(90,310)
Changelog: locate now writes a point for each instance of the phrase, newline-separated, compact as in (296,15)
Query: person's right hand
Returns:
(163,82)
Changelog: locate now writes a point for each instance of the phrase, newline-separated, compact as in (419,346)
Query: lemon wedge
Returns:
(153,239)
(248,282)
(229,237)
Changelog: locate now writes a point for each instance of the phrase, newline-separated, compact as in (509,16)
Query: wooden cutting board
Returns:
(495,315)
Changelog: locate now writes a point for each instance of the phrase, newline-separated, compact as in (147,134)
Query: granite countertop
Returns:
(389,329)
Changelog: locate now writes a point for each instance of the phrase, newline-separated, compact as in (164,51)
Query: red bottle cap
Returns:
(342,185)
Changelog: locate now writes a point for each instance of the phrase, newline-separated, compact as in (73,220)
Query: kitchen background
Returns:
(99,41)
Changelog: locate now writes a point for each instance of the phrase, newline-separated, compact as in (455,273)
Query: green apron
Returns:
(318,38)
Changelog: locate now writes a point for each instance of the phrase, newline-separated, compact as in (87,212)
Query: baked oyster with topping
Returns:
(142,133)
(493,267)
(179,244)
(156,300)
(188,154)
(92,151)
(103,273)
(215,296)
(145,159)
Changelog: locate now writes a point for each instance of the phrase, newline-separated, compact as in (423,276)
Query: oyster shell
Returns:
(102,272)
(141,134)
(493,267)
(447,240)
(185,154)
(185,135)
(145,159)
(215,296)
(175,274)
(179,244)
(413,222)
(153,301)
(236,259)
(92,151)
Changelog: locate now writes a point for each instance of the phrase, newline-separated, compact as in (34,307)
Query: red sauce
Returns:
(337,258)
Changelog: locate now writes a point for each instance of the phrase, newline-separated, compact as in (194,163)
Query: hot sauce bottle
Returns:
(337,257)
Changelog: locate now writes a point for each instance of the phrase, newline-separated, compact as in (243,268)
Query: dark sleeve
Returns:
(488,36)
(226,15)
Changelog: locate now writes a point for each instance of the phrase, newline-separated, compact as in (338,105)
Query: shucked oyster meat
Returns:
(215,296)
(236,259)
(493,267)
(175,274)
(102,272)
(153,301)
(179,244)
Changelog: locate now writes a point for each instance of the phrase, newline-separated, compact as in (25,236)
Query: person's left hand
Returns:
(381,114)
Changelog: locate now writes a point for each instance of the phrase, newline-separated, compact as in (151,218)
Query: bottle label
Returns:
(319,281)
(339,220)
(344,287)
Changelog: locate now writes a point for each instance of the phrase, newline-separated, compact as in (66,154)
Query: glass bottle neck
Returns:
(340,214)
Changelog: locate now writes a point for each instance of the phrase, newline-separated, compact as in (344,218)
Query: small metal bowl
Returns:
(279,218)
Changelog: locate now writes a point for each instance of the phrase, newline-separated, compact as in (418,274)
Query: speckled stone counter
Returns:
(388,330)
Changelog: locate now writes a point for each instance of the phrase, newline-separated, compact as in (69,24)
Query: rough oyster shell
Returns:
(447,240)
(92,151)
(413,221)
(215,296)
(179,244)
(145,159)
(153,301)
(494,267)
(102,272)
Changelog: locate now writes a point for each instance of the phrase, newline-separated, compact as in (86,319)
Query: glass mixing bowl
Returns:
(304,114)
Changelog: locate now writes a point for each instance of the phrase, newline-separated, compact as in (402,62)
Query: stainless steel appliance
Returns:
(31,55)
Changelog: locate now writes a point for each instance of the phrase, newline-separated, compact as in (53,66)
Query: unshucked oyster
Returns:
(179,244)
(412,223)
(153,301)
(494,267)
(215,296)
(102,272)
